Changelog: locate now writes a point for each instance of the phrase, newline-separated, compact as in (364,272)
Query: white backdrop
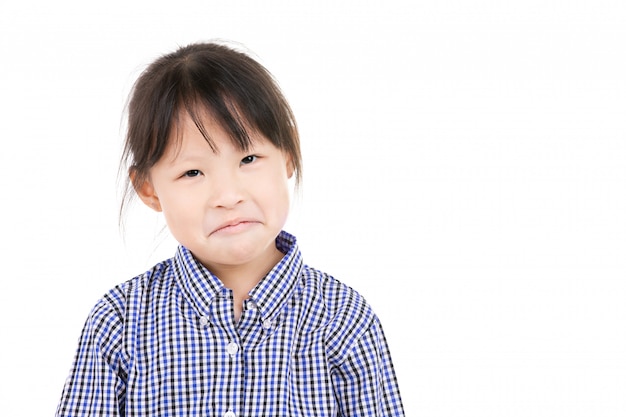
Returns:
(465,170)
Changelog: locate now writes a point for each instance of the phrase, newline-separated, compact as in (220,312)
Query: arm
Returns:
(365,383)
(96,385)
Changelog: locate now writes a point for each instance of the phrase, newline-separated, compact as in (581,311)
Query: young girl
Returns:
(235,324)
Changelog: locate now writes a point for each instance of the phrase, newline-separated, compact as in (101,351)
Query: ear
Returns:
(290,167)
(146,192)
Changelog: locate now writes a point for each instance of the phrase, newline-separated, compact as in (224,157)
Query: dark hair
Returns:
(237,91)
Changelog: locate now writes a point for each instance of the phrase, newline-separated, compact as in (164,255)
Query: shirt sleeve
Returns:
(96,384)
(365,383)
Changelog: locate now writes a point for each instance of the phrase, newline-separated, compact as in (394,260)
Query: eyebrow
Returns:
(180,158)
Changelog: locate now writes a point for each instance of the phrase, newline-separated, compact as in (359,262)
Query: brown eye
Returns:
(192,173)
(248,159)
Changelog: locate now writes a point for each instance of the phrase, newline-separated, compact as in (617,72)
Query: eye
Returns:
(192,173)
(249,159)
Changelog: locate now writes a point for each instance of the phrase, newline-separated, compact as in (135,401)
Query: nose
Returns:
(227,191)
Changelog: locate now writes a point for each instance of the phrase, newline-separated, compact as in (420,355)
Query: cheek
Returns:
(280,199)
(179,212)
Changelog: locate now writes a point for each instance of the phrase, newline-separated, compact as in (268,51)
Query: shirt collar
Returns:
(281,283)
(201,287)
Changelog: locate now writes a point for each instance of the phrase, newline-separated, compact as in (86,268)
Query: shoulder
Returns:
(125,296)
(345,312)
(111,321)
(338,298)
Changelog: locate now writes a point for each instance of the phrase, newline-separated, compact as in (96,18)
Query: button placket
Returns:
(232,348)
(267,324)
(251,305)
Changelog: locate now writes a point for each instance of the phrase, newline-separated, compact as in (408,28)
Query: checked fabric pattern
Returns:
(166,344)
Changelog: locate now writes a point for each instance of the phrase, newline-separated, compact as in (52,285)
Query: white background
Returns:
(465,170)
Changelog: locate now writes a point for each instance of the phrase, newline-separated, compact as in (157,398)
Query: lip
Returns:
(234,226)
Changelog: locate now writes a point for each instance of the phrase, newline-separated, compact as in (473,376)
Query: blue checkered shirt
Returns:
(166,344)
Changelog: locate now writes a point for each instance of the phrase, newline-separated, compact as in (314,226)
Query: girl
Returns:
(235,324)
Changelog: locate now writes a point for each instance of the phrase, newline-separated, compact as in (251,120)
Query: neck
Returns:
(241,279)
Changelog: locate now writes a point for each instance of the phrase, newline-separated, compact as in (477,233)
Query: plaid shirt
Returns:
(166,344)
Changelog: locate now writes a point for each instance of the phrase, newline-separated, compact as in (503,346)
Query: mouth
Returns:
(234,226)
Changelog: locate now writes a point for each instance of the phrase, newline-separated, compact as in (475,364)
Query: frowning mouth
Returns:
(234,226)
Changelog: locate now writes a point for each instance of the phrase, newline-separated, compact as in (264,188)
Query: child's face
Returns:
(227,207)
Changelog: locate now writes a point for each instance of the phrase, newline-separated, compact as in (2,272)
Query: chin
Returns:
(242,254)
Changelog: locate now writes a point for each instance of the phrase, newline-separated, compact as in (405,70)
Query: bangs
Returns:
(220,110)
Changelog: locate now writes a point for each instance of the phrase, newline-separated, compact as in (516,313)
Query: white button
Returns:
(230,413)
(204,320)
(267,324)
(251,305)
(232,348)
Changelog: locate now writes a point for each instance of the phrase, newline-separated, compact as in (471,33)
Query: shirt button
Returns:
(267,324)
(204,320)
(232,348)
(230,413)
